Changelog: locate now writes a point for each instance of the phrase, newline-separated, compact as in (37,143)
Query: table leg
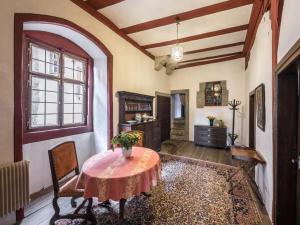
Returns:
(146,194)
(121,210)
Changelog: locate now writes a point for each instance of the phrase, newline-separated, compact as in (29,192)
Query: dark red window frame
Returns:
(50,40)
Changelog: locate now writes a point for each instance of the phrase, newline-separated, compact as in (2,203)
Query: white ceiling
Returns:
(213,53)
(213,22)
(203,43)
(132,12)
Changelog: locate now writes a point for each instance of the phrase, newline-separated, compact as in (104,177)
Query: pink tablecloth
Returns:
(111,176)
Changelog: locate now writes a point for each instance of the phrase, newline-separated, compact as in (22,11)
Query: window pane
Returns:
(78,89)
(37,83)
(37,66)
(68,108)
(37,96)
(68,62)
(51,85)
(78,108)
(51,120)
(51,97)
(52,69)
(51,108)
(37,53)
(52,57)
(68,118)
(78,98)
(68,87)
(38,108)
(78,118)
(68,98)
(78,75)
(68,73)
(37,120)
(78,65)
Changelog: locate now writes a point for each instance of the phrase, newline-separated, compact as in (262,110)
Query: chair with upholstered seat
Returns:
(63,161)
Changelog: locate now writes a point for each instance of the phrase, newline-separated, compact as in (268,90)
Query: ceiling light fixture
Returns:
(177,51)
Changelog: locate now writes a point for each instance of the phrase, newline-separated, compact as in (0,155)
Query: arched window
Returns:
(58,86)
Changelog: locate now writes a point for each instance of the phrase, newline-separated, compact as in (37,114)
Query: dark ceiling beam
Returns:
(214,48)
(219,7)
(212,57)
(255,18)
(89,9)
(100,4)
(210,61)
(198,36)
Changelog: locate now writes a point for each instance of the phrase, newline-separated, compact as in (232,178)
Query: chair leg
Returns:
(73,202)
(80,206)
(56,211)
(88,216)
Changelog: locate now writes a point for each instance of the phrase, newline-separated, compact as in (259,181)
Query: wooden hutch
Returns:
(132,103)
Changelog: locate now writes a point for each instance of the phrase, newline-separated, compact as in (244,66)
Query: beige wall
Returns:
(131,67)
(260,71)
(289,29)
(231,71)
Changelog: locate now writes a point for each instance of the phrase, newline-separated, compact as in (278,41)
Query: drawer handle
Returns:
(208,141)
(208,135)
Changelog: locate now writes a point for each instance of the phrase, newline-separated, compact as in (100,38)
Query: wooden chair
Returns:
(141,134)
(63,161)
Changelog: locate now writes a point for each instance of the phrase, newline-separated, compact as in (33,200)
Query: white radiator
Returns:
(14,186)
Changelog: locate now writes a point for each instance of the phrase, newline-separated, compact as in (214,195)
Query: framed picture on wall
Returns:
(260,107)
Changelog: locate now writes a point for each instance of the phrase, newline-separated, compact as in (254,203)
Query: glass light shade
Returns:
(177,53)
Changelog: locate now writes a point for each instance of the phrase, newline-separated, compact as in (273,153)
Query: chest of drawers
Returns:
(210,136)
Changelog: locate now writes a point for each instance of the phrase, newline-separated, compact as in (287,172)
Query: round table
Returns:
(110,175)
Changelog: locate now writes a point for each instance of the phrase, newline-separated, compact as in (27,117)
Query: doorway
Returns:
(252,119)
(180,115)
(163,111)
(287,140)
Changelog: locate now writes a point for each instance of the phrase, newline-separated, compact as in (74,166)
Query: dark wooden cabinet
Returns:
(210,136)
(152,132)
(132,103)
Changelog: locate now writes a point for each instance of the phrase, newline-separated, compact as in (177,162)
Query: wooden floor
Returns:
(189,149)
(40,209)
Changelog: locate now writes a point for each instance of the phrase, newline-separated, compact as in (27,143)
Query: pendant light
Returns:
(177,51)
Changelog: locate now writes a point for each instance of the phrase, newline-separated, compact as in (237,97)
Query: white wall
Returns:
(37,154)
(231,71)
(260,71)
(289,29)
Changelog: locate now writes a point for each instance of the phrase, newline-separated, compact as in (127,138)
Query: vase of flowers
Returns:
(211,120)
(126,140)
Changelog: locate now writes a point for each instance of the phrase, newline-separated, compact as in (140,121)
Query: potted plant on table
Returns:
(126,140)
(211,120)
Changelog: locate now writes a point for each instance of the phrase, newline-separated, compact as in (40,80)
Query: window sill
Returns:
(35,136)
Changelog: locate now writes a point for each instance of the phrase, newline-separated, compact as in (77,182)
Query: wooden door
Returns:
(252,120)
(163,114)
(287,140)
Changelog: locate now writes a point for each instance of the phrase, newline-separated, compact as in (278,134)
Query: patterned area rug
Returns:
(192,192)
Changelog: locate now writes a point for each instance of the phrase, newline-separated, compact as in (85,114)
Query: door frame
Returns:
(252,120)
(186,113)
(157,93)
(287,60)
